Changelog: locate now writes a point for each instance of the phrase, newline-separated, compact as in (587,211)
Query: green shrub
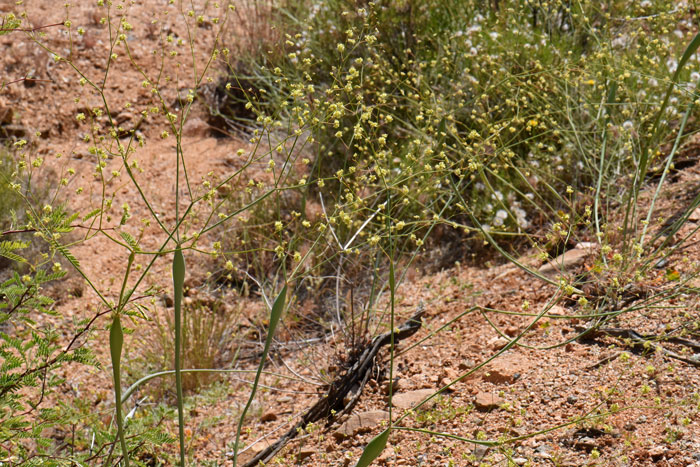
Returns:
(507,106)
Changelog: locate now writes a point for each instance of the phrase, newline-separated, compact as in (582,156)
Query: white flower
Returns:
(628,125)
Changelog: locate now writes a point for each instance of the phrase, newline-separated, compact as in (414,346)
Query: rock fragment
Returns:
(360,422)
(486,402)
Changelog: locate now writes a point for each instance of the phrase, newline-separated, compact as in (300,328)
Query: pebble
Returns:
(407,400)
(480,452)
(360,421)
(568,260)
(485,402)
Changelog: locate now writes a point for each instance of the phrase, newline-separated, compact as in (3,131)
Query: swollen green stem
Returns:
(275,314)
(116,342)
(178,284)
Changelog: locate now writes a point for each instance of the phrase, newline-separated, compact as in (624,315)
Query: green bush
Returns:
(507,106)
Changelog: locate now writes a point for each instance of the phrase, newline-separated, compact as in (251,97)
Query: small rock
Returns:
(394,387)
(360,422)
(269,417)
(566,261)
(234,160)
(557,310)
(572,399)
(586,246)
(657,452)
(694,216)
(305,453)
(124,117)
(466,365)
(195,127)
(497,343)
(444,382)
(542,451)
(506,369)
(642,419)
(586,443)
(13,131)
(407,400)
(512,331)
(6,114)
(285,399)
(485,402)
(480,452)
(519,460)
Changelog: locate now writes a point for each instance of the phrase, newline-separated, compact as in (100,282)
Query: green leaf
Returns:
(373,449)
(7,250)
(131,241)
(92,214)
(67,254)
(9,23)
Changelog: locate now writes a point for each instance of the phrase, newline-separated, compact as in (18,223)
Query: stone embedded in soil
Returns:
(694,216)
(466,365)
(656,452)
(360,422)
(124,117)
(506,369)
(485,401)
(480,452)
(13,131)
(394,387)
(497,343)
(407,400)
(6,114)
(269,417)
(566,261)
(305,453)
(195,127)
